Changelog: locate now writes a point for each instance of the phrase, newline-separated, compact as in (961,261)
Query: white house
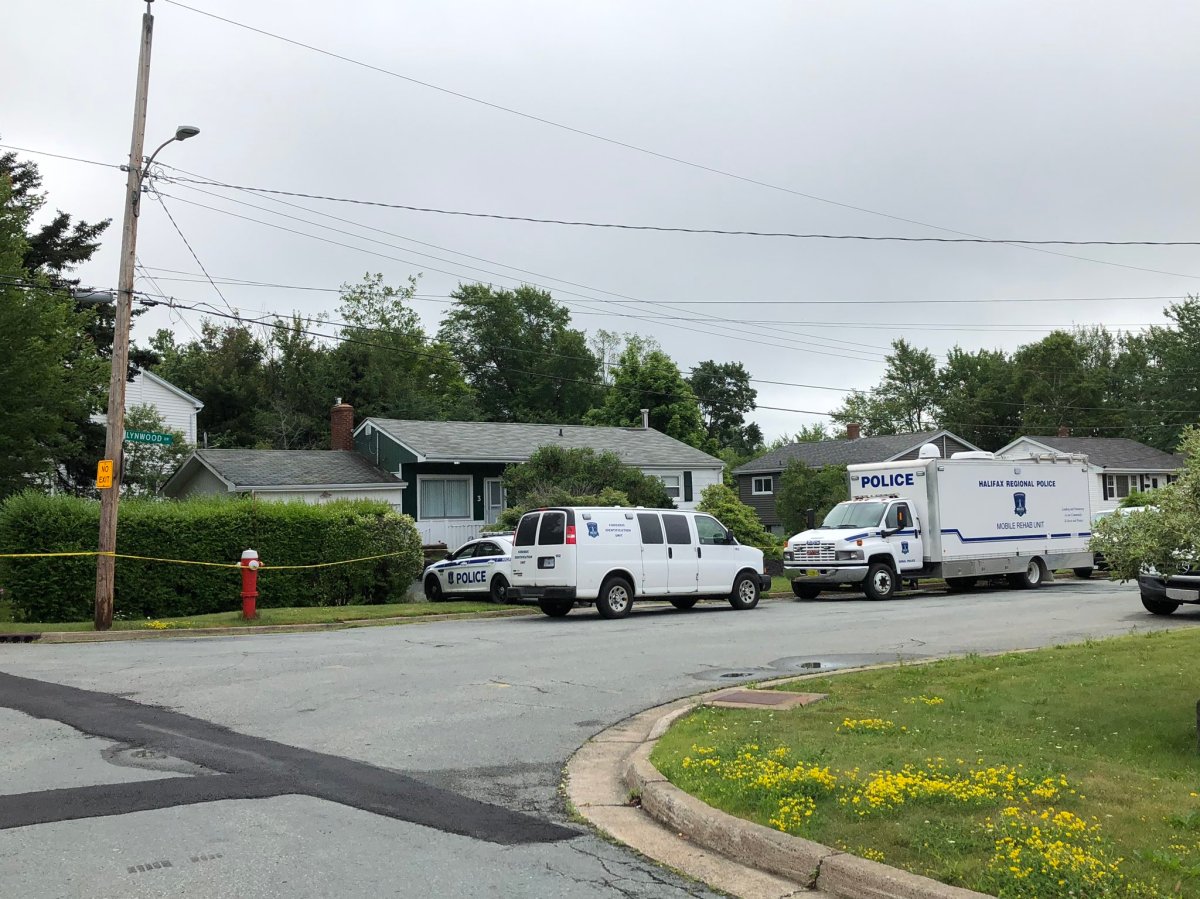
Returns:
(177,407)
(1117,466)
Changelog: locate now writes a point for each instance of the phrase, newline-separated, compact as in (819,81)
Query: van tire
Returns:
(498,591)
(433,589)
(615,599)
(745,592)
(805,591)
(556,608)
(684,603)
(1032,577)
(880,582)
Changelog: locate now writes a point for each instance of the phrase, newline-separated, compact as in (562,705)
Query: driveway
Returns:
(417,760)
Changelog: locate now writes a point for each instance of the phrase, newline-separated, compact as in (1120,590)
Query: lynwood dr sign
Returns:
(149,437)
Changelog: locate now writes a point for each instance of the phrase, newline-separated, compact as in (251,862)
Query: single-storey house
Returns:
(758,480)
(1117,466)
(445,474)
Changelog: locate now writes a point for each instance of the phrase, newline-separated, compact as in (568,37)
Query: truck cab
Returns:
(870,541)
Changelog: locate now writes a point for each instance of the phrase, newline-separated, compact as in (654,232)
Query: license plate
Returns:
(811,572)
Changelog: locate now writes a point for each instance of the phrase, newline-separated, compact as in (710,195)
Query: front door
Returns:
(906,537)
(493,499)
(720,556)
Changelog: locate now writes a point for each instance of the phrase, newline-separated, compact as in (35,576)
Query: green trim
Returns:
(687,486)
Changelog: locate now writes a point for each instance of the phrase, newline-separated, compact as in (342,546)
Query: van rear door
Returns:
(554,552)
(524,563)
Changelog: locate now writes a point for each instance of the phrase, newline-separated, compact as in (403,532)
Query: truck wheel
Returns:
(960,584)
(1156,606)
(433,590)
(1082,573)
(499,588)
(684,603)
(1033,576)
(745,592)
(880,582)
(555,608)
(805,591)
(615,599)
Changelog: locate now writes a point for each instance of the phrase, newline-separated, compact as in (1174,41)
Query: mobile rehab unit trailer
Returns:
(962,518)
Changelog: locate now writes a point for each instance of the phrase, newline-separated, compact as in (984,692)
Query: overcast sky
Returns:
(1035,120)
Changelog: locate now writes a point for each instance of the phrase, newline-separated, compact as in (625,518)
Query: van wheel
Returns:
(960,584)
(499,588)
(805,591)
(745,592)
(555,608)
(615,599)
(433,590)
(1158,606)
(1033,576)
(880,582)
(684,604)
(1082,573)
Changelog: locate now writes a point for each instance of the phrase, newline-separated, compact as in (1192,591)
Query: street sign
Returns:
(148,437)
(104,474)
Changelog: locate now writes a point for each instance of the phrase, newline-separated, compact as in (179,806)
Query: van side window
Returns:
(526,530)
(554,529)
(651,529)
(677,529)
(710,531)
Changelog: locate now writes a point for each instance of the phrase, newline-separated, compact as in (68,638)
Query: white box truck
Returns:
(962,518)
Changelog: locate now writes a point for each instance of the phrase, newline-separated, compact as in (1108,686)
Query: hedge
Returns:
(204,530)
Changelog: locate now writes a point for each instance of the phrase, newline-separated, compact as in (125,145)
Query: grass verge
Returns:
(293,615)
(1071,771)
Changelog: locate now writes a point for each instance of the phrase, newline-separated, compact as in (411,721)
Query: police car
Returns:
(478,567)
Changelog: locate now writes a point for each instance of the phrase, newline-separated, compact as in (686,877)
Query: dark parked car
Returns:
(1163,595)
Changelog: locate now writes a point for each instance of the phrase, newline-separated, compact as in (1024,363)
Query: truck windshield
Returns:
(854,515)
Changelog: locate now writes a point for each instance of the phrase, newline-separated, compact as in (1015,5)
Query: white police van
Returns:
(480,567)
(608,556)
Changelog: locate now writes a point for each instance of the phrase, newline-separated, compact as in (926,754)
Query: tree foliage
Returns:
(553,472)
(723,504)
(725,396)
(149,465)
(802,488)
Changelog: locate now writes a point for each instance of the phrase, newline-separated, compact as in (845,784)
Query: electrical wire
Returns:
(110,165)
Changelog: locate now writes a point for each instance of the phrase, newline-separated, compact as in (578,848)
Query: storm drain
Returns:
(809,664)
(735,674)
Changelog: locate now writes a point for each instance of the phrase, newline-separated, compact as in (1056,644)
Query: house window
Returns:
(760,486)
(445,498)
(1116,486)
(671,482)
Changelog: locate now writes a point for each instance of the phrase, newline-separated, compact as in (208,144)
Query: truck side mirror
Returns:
(810,518)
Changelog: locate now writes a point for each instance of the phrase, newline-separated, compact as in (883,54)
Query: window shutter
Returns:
(687,486)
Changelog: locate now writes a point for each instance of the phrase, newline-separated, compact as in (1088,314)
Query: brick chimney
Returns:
(341,426)
(1064,431)
(853,431)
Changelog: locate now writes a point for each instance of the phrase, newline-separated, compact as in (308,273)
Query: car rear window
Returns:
(526,530)
(554,529)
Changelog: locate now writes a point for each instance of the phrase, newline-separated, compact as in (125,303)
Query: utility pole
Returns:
(115,438)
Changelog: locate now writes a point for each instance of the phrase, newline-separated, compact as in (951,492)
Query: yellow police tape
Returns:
(261,567)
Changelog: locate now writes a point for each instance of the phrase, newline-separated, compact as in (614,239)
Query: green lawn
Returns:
(295,615)
(1105,731)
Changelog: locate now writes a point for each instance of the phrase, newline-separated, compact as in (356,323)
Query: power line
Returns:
(671,229)
(109,165)
(163,203)
(896,301)
(634,147)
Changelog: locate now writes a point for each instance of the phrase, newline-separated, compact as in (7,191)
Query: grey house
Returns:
(758,480)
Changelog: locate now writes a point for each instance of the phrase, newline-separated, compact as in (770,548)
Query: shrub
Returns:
(723,504)
(205,530)
(553,471)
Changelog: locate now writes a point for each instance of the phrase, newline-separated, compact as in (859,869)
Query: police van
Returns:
(610,556)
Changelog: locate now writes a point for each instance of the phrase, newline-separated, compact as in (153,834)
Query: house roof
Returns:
(241,469)
(842,452)
(1108,452)
(487,441)
(179,391)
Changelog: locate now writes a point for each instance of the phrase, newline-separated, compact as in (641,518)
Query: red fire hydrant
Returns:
(249,565)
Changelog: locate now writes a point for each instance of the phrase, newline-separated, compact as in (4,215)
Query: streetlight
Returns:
(115,437)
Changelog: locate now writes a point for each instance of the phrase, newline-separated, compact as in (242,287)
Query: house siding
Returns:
(202,483)
(764,504)
(177,413)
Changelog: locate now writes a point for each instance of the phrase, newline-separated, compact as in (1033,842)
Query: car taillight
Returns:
(570,535)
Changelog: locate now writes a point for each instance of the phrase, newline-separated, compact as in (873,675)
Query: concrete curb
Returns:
(730,853)
(236,631)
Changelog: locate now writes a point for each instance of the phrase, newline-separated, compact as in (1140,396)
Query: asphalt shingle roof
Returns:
(1114,452)
(837,452)
(293,468)
(486,441)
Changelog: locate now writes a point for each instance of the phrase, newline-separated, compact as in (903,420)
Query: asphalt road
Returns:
(419,760)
